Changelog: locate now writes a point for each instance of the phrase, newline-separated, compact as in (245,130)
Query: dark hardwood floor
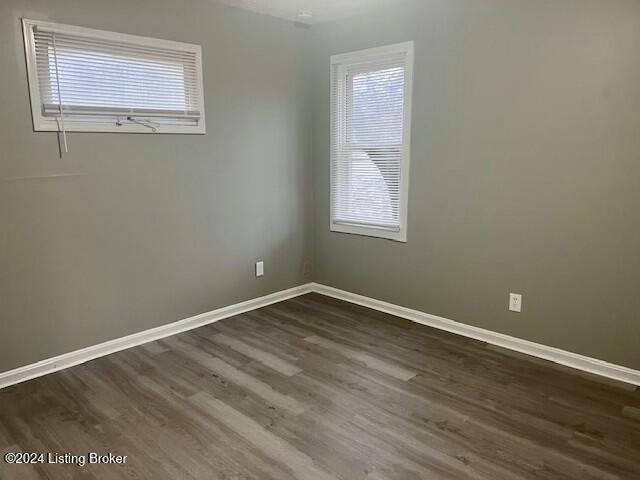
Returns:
(315,388)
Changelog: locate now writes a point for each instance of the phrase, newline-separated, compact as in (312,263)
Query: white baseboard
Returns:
(562,357)
(77,357)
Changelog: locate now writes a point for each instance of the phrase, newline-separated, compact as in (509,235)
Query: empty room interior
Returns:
(320,239)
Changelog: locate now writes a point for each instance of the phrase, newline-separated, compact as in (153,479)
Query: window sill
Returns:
(400,236)
(111,127)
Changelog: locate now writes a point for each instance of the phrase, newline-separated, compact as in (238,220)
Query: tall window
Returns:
(91,80)
(370,137)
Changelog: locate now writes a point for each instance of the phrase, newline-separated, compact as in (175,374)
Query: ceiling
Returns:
(311,11)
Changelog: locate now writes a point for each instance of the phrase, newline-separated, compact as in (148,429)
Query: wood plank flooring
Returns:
(317,389)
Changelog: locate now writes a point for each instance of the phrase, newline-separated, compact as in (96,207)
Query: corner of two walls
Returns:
(524,170)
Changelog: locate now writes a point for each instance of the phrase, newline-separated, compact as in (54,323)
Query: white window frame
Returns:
(363,56)
(42,123)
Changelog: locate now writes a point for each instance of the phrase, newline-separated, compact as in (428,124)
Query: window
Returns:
(91,80)
(370,141)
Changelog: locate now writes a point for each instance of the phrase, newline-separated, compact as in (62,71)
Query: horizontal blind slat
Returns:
(91,44)
(151,90)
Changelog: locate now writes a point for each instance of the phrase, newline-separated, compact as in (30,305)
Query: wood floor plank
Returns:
(280,451)
(370,361)
(261,389)
(272,361)
(631,412)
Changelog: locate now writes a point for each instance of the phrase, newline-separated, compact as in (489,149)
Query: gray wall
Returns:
(524,177)
(157,228)
(525,170)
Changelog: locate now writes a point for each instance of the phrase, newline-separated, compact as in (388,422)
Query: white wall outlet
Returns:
(515,302)
(259,268)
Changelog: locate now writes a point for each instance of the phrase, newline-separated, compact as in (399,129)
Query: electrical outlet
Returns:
(515,302)
(259,268)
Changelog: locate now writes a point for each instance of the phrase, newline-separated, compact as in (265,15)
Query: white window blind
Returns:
(370,132)
(91,80)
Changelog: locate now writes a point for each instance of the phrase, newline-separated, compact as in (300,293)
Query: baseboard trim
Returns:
(556,355)
(66,360)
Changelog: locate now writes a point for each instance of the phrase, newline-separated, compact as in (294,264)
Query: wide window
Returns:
(91,80)
(370,141)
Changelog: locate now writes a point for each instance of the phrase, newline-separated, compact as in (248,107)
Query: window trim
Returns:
(363,56)
(50,124)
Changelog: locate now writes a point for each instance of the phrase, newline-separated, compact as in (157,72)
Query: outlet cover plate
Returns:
(515,302)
